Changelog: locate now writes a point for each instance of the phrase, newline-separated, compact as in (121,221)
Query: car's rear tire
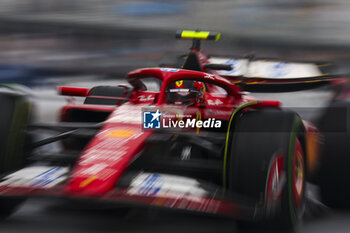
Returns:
(334,176)
(14,118)
(265,154)
(107,91)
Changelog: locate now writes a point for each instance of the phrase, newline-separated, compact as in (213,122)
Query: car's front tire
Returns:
(267,163)
(14,117)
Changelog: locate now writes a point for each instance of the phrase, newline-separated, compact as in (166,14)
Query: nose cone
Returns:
(91,186)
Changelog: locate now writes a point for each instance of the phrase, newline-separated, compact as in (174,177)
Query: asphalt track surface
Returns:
(43,216)
(51,215)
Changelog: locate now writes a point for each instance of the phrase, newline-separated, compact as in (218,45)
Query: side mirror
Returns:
(213,66)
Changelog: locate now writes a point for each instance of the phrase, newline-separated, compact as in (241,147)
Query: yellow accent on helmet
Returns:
(179,83)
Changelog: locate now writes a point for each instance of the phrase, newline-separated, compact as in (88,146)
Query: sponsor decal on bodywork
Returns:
(118,133)
(38,176)
(163,185)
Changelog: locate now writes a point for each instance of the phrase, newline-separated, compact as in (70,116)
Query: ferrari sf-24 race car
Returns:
(173,138)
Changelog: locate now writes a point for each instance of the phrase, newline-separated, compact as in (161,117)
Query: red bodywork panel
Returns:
(106,158)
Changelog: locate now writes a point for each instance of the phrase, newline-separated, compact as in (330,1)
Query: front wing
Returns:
(141,188)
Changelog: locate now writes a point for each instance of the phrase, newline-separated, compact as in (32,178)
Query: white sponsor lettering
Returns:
(94,169)
(143,98)
(209,76)
(216,102)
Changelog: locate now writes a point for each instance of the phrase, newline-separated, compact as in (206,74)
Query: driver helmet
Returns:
(185,92)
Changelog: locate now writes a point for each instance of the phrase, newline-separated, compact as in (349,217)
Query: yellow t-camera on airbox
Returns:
(199,35)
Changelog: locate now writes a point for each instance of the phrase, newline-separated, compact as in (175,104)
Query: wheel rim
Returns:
(298,173)
(275,180)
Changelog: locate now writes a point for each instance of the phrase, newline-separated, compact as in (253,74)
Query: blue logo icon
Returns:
(151,185)
(280,70)
(169,69)
(151,119)
(234,64)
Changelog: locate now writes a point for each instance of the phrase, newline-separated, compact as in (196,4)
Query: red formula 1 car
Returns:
(174,138)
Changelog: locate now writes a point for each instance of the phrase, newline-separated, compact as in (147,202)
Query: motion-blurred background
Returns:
(44,43)
(76,37)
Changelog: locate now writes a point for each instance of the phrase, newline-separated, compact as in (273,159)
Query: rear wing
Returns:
(265,74)
(271,69)
(261,74)
(251,73)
